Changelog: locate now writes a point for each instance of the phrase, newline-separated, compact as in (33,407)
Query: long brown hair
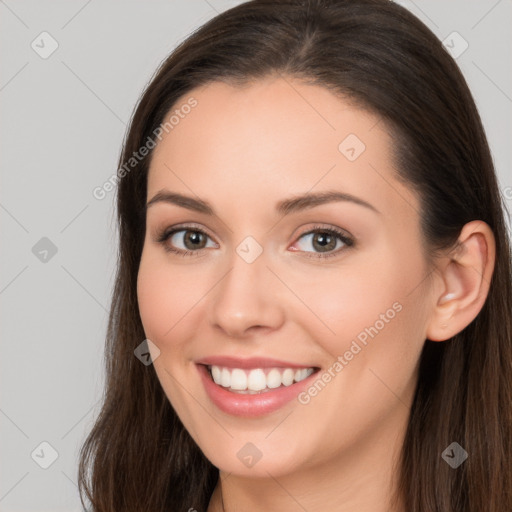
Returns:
(138,455)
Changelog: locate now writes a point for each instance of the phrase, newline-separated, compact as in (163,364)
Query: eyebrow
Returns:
(284,207)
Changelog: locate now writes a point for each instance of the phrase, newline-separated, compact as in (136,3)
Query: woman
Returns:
(314,256)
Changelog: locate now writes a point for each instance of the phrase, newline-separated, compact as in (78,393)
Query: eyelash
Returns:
(345,239)
(163,236)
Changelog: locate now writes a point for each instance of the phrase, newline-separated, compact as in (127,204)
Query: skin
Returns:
(243,150)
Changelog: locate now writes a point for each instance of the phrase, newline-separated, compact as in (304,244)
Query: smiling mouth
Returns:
(257,380)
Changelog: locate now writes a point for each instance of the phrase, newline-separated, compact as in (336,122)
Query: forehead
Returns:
(273,138)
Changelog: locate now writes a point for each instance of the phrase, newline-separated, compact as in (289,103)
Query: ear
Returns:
(465,277)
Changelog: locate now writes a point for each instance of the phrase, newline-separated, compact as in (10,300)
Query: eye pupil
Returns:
(194,238)
(324,241)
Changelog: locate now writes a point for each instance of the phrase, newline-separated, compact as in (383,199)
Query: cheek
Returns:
(164,297)
(378,304)
(343,301)
(374,350)
(151,297)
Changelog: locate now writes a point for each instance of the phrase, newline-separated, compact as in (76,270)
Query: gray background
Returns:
(63,120)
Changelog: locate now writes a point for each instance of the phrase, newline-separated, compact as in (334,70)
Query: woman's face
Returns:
(274,287)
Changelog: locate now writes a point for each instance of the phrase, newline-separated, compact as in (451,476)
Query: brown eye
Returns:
(194,239)
(185,240)
(324,242)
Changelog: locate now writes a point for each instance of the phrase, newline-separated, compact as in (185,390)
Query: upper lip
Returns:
(250,362)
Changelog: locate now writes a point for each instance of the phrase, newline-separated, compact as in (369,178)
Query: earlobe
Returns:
(465,276)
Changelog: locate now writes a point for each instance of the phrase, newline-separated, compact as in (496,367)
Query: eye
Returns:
(189,241)
(185,240)
(325,242)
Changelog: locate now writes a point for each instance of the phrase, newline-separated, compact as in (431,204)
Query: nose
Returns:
(247,300)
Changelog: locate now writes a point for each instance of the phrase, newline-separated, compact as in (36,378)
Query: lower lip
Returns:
(250,406)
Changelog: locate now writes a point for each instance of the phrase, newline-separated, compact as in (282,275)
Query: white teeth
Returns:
(238,379)
(216,374)
(257,379)
(288,375)
(225,378)
(274,378)
(305,373)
